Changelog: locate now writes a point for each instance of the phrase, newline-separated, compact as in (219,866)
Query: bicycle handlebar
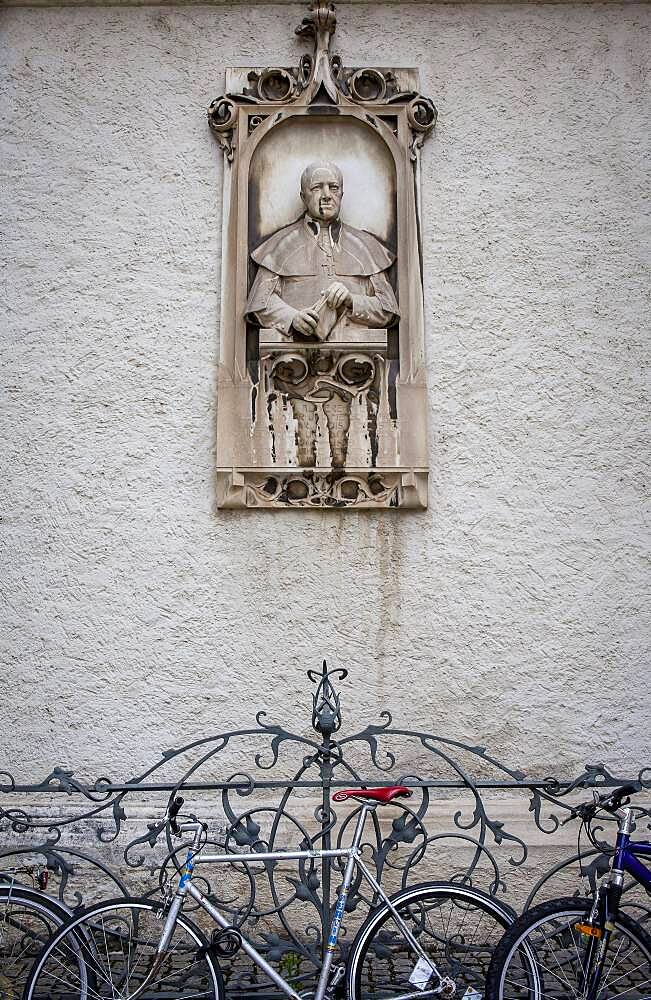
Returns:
(174,810)
(623,792)
(611,802)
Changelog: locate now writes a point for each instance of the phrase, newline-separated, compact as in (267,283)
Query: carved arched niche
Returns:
(364,153)
(336,419)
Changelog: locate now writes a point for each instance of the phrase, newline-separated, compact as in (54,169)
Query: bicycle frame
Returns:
(606,905)
(626,858)
(353,861)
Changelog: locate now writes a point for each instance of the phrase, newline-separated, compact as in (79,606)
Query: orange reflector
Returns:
(588,930)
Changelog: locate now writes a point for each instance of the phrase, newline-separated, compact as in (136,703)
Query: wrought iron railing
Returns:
(276,794)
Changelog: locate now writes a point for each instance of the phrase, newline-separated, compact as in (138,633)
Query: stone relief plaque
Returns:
(321,390)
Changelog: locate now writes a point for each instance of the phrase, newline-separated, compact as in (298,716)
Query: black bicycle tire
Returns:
(35,896)
(502,913)
(121,902)
(521,927)
(39,902)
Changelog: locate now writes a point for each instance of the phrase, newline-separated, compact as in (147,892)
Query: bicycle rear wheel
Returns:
(456,926)
(542,957)
(27,920)
(109,952)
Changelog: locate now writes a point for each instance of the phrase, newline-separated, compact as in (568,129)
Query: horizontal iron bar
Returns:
(209,859)
(207,786)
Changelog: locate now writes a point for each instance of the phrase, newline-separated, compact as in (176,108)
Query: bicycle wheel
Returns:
(542,957)
(456,926)
(109,952)
(27,920)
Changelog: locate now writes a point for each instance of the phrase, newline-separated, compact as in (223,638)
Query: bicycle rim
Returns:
(110,953)
(456,927)
(547,960)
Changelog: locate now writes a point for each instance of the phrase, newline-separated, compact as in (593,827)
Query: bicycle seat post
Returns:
(340,907)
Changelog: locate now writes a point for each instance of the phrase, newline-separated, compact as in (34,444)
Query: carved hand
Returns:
(305,322)
(337,296)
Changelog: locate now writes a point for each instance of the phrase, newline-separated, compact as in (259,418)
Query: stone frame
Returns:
(393,468)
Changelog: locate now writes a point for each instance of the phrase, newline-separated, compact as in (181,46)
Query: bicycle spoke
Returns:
(116,949)
(108,960)
(561,979)
(545,957)
(579,961)
(149,944)
(456,927)
(140,944)
(28,920)
(15,958)
(636,986)
(175,972)
(520,987)
(129,951)
(608,983)
(89,962)
(20,939)
(90,993)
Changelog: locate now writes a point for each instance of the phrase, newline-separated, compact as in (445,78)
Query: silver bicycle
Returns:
(433,939)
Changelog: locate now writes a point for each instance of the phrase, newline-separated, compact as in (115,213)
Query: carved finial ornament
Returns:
(320,24)
(321,78)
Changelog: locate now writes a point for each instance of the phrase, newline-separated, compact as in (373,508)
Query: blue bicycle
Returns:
(582,949)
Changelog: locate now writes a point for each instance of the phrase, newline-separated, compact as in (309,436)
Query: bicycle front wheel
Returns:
(455,926)
(543,957)
(109,952)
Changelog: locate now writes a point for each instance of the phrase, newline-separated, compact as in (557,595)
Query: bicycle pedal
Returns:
(226,942)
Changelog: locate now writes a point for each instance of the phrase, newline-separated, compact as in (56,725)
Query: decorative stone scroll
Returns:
(321,395)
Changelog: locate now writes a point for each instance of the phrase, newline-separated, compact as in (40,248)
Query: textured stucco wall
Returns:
(513,612)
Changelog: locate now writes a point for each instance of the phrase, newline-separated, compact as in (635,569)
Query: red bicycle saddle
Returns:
(383,795)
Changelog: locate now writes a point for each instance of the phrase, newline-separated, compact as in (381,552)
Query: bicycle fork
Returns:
(601,922)
(170,919)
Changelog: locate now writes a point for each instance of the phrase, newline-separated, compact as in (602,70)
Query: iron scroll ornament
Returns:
(288,911)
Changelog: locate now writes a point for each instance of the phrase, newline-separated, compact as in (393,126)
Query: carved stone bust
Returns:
(318,273)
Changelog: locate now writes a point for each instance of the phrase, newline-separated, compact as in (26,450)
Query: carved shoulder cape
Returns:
(293,252)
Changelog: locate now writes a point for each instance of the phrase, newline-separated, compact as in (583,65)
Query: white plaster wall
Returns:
(514,612)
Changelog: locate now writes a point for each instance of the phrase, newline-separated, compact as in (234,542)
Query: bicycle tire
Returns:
(117,940)
(539,957)
(457,926)
(28,918)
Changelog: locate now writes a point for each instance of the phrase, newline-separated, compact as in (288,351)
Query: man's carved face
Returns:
(322,194)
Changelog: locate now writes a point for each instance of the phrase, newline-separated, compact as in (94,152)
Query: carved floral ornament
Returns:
(321,395)
(321,70)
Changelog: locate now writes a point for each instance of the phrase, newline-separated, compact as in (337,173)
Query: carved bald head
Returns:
(322,188)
